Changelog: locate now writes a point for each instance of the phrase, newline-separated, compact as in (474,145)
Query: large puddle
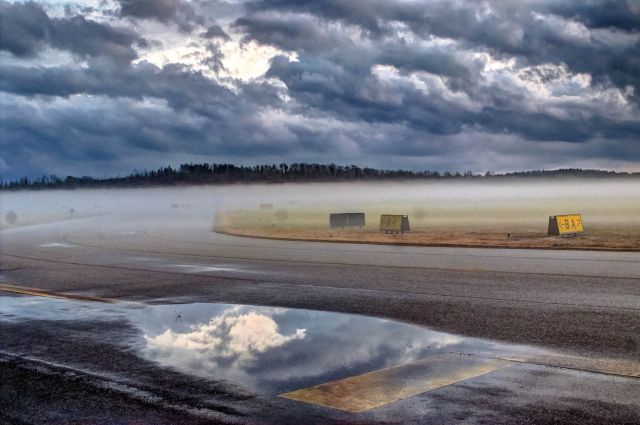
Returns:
(264,348)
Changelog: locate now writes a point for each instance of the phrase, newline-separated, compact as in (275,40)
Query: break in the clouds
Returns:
(105,86)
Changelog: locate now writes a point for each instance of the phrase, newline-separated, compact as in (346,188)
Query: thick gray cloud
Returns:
(158,9)
(25,29)
(179,12)
(340,79)
(215,31)
(532,32)
(624,15)
(421,84)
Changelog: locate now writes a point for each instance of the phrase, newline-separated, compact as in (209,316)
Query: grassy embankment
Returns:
(609,226)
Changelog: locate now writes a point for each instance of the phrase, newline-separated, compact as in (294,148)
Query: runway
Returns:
(581,308)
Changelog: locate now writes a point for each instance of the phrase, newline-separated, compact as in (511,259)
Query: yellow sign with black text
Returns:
(390,222)
(394,223)
(565,224)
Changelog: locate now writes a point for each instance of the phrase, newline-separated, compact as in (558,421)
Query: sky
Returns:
(103,87)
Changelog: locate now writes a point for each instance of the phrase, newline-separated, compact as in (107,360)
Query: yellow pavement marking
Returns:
(44,293)
(618,367)
(381,387)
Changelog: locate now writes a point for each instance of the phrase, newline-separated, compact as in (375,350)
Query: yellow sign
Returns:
(565,224)
(390,222)
(394,223)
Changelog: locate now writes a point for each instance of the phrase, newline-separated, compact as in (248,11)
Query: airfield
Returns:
(132,310)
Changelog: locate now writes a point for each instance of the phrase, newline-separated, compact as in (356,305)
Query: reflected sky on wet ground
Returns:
(267,349)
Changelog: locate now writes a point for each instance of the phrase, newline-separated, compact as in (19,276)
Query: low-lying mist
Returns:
(471,205)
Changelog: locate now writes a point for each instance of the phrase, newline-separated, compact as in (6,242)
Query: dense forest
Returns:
(196,174)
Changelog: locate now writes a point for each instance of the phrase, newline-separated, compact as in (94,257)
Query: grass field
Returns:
(461,218)
(457,213)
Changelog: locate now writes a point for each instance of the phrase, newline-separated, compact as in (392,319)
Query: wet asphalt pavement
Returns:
(160,320)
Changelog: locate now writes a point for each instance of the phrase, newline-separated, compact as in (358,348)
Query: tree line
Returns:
(197,174)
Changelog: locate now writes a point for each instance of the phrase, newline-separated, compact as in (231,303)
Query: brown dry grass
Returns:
(239,223)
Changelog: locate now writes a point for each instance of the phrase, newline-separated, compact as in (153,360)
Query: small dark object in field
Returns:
(11,217)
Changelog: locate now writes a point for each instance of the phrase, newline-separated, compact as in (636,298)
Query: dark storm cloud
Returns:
(460,17)
(325,87)
(172,83)
(367,14)
(214,31)
(162,10)
(339,79)
(361,80)
(79,132)
(340,51)
(25,29)
(290,33)
(187,15)
(624,15)
(509,29)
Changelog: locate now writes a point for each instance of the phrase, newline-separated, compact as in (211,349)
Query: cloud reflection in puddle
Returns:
(278,349)
(265,349)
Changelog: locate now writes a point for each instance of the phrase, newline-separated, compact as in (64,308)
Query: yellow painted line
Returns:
(49,294)
(378,388)
(618,367)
